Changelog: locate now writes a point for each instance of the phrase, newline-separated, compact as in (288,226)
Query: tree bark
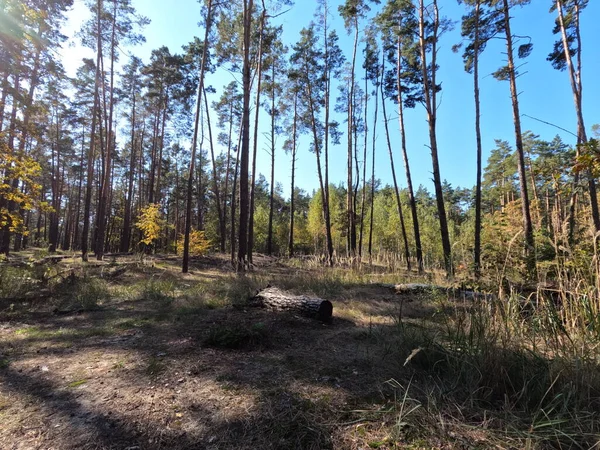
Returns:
(429,91)
(278,300)
(190,181)
(477,243)
(527,224)
(215,180)
(245,151)
(292,205)
(396,191)
(255,146)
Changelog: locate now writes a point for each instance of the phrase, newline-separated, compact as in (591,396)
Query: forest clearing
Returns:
(131,354)
(327,224)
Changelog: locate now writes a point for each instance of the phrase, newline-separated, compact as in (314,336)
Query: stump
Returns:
(277,300)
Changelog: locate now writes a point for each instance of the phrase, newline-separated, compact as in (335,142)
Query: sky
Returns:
(544,92)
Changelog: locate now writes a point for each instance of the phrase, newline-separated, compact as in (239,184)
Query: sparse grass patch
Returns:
(76,383)
(234,289)
(162,292)
(87,294)
(16,282)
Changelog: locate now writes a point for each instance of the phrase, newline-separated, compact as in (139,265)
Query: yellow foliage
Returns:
(150,223)
(25,195)
(199,245)
(589,158)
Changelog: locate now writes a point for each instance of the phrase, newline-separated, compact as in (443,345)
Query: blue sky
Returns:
(544,92)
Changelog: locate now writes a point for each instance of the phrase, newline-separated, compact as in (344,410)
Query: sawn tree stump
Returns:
(278,300)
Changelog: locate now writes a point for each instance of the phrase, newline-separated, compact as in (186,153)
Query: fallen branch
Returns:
(420,288)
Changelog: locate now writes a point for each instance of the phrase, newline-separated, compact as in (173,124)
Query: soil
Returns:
(154,373)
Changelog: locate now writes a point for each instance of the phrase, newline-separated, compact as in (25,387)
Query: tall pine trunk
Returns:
(526,210)
(292,205)
(91,153)
(255,144)
(272,184)
(245,151)
(409,185)
(105,185)
(430,97)
(190,181)
(396,191)
(216,189)
(477,243)
(576,87)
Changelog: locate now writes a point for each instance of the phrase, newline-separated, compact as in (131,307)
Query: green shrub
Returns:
(89,293)
(16,281)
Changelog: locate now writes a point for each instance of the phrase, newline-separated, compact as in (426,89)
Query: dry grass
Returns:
(156,359)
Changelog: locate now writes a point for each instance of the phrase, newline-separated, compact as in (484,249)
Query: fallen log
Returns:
(277,300)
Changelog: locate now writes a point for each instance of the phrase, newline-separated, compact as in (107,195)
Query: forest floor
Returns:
(149,358)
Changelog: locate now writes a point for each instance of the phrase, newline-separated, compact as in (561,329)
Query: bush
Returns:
(16,282)
(90,292)
(199,244)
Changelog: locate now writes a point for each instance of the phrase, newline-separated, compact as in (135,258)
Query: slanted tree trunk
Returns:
(409,186)
(216,189)
(576,87)
(527,224)
(190,181)
(396,191)
(430,97)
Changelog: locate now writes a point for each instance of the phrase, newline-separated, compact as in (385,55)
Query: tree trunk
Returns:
(576,87)
(190,183)
(245,151)
(527,224)
(215,180)
(255,146)
(292,206)
(374,142)
(105,186)
(396,191)
(278,300)
(126,235)
(477,243)
(272,184)
(429,91)
(409,185)
(91,153)
(364,177)
(325,185)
